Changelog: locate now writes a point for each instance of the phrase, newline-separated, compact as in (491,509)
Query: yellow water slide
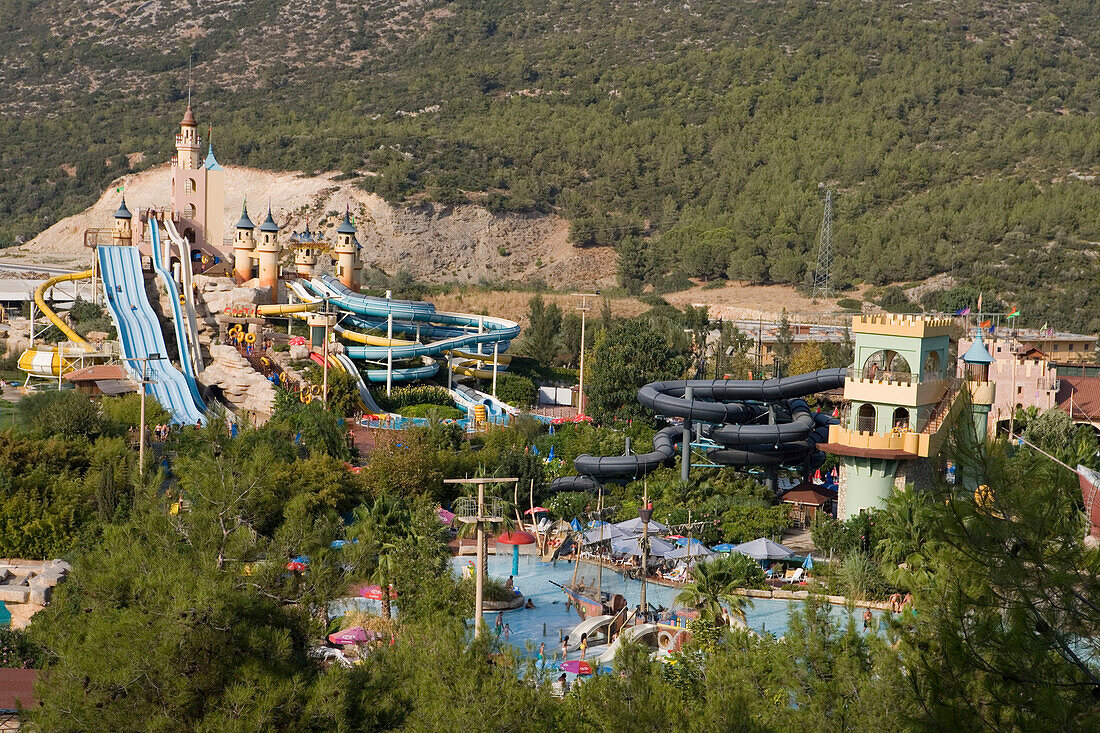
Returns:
(50,361)
(286,309)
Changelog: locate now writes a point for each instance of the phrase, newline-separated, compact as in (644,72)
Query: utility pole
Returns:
(583,308)
(474,512)
(645,514)
(823,283)
(141,423)
(324,368)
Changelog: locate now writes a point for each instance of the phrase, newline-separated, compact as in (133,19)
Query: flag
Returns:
(119,189)
(550,455)
(1015,312)
(979,302)
(985,324)
(963,311)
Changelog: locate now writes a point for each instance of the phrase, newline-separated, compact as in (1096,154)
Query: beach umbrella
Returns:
(634,526)
(605,533)
(724,547)
(537,510)
(304,559)
(659,547)
(764,549)
(693,550)
(597,523)
(374,592)
(682,541)
(445,516)
(577,666)
(338,544)
(297,567)
(808,563)
(576,525)
(515,539)
(354,635)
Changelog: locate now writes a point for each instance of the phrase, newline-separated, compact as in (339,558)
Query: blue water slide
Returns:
(140,335)
(178,317)
(478,330)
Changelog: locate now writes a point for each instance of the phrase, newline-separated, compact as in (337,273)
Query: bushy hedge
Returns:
(422,394)
(516,390)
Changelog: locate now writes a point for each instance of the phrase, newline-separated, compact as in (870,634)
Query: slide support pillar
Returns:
(685,459)
(496,355)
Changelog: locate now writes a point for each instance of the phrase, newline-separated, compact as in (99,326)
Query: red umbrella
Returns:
(354,635)
(577,666)
(297,567)
(374,592)
(536,510)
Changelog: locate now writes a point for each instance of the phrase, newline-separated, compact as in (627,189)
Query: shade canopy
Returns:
(374,592)
(445,516)
(536,510)
(354,635)
(516,537)
(577,666)
(684,541)
(634,526)
(688,551)
(604,533)
(724,547)
(575,525)
(764,549)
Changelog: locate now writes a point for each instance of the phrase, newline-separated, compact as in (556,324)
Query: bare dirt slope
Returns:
(434,243)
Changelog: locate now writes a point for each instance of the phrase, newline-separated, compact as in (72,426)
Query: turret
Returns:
(268,251)
(976,363)
(188,143)
(122,234)
(347,254)
(243,244)
(305,252)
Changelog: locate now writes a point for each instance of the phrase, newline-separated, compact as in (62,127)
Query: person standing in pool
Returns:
(542,653)
(867,617)
(564,648)
(507,631)
(500,623)
(584,645)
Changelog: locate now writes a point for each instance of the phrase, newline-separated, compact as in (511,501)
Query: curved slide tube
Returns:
(140,335)
(731,409)
(40,301)
(184,247)
(46,361)
(186,350)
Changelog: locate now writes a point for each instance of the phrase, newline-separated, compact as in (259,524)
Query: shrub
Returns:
(438,412)
(423,394)
(861,578)
(516,390)
(124,412)
(67,413)
(850,304)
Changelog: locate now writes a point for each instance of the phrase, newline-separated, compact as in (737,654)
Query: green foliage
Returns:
(512,389)
(18,650)
(64,412)
(633,354)
(124,412)
(850,304)
(436,412)
(542,336)
(861,578)
(310,426)
(343,392)
(419,394)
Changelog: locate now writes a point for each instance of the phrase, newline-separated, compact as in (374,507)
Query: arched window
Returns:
(901,419)
(865,418)
(189,211)
(886,365)
(189,185)
(189,235)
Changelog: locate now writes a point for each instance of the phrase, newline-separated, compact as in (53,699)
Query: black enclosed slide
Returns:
(756,422)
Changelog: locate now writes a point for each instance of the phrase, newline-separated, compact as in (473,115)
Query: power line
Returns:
(823,282)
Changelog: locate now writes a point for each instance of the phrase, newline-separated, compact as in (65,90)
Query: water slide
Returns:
(140,335)
(493,406)
(368,404)
(630,633)
(473,330)
(589,626)
(184,247)
(752,422)
(44,360)
(187,341)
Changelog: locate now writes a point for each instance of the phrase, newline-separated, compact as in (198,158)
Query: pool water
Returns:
(530,627)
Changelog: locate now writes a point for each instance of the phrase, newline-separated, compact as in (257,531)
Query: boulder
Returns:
(243,387)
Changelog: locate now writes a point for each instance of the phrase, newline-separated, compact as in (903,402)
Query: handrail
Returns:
(40,301)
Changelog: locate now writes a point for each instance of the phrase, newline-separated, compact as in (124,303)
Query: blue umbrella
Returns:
(724,547)
(808,564)
(575,525)
(686,541)
(337,544)
(597,523)
(302,559)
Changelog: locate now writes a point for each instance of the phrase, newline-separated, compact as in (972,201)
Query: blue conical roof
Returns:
(211,163)
(123,212)
(244,222)
(346,227)
(269,224)
(977,353)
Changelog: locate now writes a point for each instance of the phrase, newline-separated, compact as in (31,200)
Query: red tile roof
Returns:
(95,373)
(17,686)
(1083,393)
(808,493)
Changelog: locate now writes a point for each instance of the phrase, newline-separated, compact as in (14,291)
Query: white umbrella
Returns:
(764,549)
(634,526)
(604,533)
(692,550)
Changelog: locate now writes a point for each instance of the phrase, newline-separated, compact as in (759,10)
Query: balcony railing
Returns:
(873,373)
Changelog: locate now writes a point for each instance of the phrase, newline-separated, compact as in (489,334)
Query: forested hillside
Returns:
(960,136)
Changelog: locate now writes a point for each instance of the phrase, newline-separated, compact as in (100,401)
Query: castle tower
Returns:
(268,251)
(347,254)
(243,244)
(902,402)
(122,234)
(983,392)
(198,190)
(305,252)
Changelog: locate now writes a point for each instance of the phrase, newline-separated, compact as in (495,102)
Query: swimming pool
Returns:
(550,616)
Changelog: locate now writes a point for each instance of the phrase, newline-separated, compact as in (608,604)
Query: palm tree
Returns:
(712,585)
(377,529)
